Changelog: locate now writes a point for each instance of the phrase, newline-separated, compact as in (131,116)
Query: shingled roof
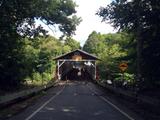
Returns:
(85,55)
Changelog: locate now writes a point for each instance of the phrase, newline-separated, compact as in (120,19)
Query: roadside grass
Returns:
(25,86)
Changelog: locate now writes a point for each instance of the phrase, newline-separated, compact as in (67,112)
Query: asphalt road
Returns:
(73,101)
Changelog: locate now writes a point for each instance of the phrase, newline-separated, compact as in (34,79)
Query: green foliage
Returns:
(36,76)
(19,58)
(66,48)
(72,43)
(39,54)
(111,49)
(21,15)
(94,43)
(141,17)
(38,57)
(127,77)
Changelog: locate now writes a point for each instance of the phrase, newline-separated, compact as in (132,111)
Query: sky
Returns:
(90,22)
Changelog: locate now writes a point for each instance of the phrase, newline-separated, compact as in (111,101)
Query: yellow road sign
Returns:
(123,66)
(77,57)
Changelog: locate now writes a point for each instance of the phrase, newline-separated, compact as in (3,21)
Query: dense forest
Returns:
(26,51)
(140,18)
(113,49)
(137,42)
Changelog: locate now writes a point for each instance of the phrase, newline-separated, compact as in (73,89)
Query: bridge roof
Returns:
(85,55)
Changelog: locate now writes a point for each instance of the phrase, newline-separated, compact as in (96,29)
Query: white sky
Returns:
(86,10)
(91,22)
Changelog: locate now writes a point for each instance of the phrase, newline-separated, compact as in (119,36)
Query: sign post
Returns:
(123,66)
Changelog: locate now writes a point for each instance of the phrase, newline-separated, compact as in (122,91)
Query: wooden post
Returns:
(95,69)
(95,72)
(58,70)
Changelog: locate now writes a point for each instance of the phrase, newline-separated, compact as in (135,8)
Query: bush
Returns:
(127,77)
(46,76)
(36,76)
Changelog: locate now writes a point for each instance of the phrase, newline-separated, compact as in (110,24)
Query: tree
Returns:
(21,15)
(38,57)
(110,48)
(72,43)
(94,43)
(141,18)
(17,20)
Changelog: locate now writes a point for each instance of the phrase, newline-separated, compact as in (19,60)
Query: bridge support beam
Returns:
(59,65)
(58,70)
(95,70)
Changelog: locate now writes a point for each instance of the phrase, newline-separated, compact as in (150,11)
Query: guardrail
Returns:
(13,98)
(138,97)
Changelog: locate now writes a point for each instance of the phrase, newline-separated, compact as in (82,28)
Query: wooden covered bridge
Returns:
(76,65)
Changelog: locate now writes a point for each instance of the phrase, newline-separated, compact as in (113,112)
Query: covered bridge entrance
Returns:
(76,65)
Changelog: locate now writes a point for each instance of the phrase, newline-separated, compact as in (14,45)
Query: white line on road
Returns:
(104,99)
(48,101)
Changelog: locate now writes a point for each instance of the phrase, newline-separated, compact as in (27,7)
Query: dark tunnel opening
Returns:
(76,74)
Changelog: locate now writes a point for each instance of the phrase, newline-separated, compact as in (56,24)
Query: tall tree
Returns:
(17,19)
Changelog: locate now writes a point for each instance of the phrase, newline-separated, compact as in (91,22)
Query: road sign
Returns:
(77,57)
(123,66)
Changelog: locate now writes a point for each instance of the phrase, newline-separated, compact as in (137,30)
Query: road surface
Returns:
(73,101)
